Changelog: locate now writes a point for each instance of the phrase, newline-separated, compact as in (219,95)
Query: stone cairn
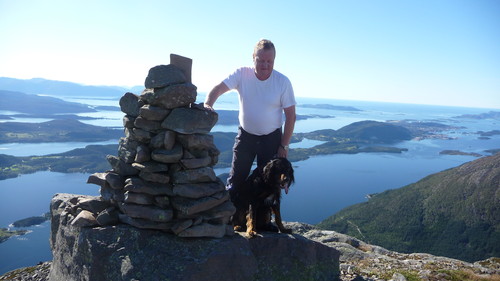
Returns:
(162,177)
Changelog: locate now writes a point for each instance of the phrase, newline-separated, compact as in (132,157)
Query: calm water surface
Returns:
(30,195)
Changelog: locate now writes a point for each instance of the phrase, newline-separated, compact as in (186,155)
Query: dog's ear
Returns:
(267,171)
(290,172)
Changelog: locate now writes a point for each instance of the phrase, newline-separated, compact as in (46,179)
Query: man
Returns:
(264,95)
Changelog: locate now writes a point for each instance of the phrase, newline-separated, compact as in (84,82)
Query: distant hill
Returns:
(39,86)
(374,132)
(329,106)
(34,104)
(55,131)
(487,115)
(454,213)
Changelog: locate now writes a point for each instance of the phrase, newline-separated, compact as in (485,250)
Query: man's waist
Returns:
(259,134)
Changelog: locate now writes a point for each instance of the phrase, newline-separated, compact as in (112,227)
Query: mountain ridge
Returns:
(41,86)
(453,213)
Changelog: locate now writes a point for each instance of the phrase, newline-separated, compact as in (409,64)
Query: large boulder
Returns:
(190,121)
(164,75)
(124,252)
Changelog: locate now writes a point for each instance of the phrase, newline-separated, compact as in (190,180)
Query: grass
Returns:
(465,275)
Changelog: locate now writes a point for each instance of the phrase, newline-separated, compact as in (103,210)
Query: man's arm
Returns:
(288,131)
(214,94)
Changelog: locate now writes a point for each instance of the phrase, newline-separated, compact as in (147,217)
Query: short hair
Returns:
(264,44)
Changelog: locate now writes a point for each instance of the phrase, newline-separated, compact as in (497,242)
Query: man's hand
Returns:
(208,107)
(282,152)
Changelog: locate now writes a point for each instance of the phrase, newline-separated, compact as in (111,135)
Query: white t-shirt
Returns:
(261,102)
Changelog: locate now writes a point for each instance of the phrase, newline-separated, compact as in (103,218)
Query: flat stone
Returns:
(138,185)
(138,198)
(146,212)
(115,180)
(155,177)
(162,201)
(121,167)
(92,204)
(171,97)
(167,156)
(223,211)
(197,141)
(143,154)
(194,176)
(190,121)
(84,219)
(97,178)
(127,148)
(153,113)
(183,63)
(130,104)
(198,190)
(195,163)
(147,125)
(145,224)
(181,226)
(108,194)
(187,206)
(151,166)
(128,121)
(164,75)
(108,217)
(169,140)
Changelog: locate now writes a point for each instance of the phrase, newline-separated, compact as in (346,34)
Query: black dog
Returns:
(260,195)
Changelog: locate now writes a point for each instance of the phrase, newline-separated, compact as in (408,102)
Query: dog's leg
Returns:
(251,222)
(277,218)
(264,215)
(239,219)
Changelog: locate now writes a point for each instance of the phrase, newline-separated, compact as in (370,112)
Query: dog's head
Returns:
(279,172)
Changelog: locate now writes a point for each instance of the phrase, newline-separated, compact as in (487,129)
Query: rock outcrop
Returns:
(124,252)
(362,261)
(162,177)
(358,260)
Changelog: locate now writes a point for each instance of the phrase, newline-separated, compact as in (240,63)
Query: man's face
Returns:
(264,63)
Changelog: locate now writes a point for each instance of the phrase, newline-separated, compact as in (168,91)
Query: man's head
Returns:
(263,58)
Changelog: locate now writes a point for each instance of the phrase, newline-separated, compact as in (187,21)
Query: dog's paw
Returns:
(239,228)
(251,234)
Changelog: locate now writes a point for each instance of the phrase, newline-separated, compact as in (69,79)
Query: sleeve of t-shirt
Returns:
(288,97)
(233,80)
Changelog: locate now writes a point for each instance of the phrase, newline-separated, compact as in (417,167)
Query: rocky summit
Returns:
(358,260)
(124,252)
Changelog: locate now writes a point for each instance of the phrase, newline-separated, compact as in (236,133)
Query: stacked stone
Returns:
(162,177)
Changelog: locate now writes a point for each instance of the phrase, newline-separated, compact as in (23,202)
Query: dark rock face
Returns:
(124,252)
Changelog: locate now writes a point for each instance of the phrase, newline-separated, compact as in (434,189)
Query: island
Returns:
(31,221)
(6,233)
(487,115)
(458,152)
(60,130)
(330,107)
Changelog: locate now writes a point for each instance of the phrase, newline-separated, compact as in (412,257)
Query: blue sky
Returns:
(426,52)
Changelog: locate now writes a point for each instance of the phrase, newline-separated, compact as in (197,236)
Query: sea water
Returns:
(324,184)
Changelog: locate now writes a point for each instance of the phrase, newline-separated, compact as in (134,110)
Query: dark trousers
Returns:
(248,146)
